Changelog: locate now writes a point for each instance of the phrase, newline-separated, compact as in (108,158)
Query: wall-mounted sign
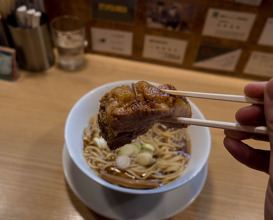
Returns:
(165,49)
(248,2)
(260,64)
(266,37)
(118,10)
(217,58)
(228,24)
(113,41)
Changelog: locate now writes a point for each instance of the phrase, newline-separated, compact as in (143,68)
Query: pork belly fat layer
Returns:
(127,112)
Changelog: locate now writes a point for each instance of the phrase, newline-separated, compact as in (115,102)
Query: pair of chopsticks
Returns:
(217,124)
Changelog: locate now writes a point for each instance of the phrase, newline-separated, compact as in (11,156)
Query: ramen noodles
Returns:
(152,160)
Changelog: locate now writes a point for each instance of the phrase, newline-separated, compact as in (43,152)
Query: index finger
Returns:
(255,90)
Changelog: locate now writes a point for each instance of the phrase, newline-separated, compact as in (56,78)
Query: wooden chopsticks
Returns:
(214,96)
(217,124)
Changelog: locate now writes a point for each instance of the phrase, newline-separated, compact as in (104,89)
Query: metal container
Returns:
(34,47)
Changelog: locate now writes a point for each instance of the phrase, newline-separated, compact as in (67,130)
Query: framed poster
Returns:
(170,15)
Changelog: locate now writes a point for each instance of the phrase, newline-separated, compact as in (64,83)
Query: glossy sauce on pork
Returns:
(129,111)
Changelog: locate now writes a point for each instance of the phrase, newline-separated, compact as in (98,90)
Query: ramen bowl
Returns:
(78,119)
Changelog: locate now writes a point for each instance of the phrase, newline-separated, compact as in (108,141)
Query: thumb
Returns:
(268,111)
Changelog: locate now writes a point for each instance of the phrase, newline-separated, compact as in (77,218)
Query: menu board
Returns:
(248,2)
(267,34)
(113,41)
(217,58)
(227,37)
(260,64)
(228,24)
(165,49)
(8,69)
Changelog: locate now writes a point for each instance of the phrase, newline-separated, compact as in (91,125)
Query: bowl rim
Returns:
(93,176)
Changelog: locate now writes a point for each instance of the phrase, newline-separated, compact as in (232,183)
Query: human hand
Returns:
(251,157)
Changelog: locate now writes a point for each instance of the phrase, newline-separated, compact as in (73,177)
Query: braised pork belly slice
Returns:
(129,111)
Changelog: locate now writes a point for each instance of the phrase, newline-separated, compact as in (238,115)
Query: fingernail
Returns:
(269,89)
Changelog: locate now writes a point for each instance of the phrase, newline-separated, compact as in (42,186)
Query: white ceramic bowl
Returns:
(88,106)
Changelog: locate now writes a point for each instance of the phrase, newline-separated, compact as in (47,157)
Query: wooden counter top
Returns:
(33,112)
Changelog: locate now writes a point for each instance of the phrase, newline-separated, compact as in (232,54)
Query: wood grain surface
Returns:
(33,112)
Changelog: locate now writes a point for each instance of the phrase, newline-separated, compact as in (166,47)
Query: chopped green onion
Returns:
(147,146)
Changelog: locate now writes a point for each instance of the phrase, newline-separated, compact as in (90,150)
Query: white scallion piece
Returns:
(130,149)
(123,162)
(144,158)
(100,142)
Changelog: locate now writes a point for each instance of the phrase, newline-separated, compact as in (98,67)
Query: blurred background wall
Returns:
(230,37)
